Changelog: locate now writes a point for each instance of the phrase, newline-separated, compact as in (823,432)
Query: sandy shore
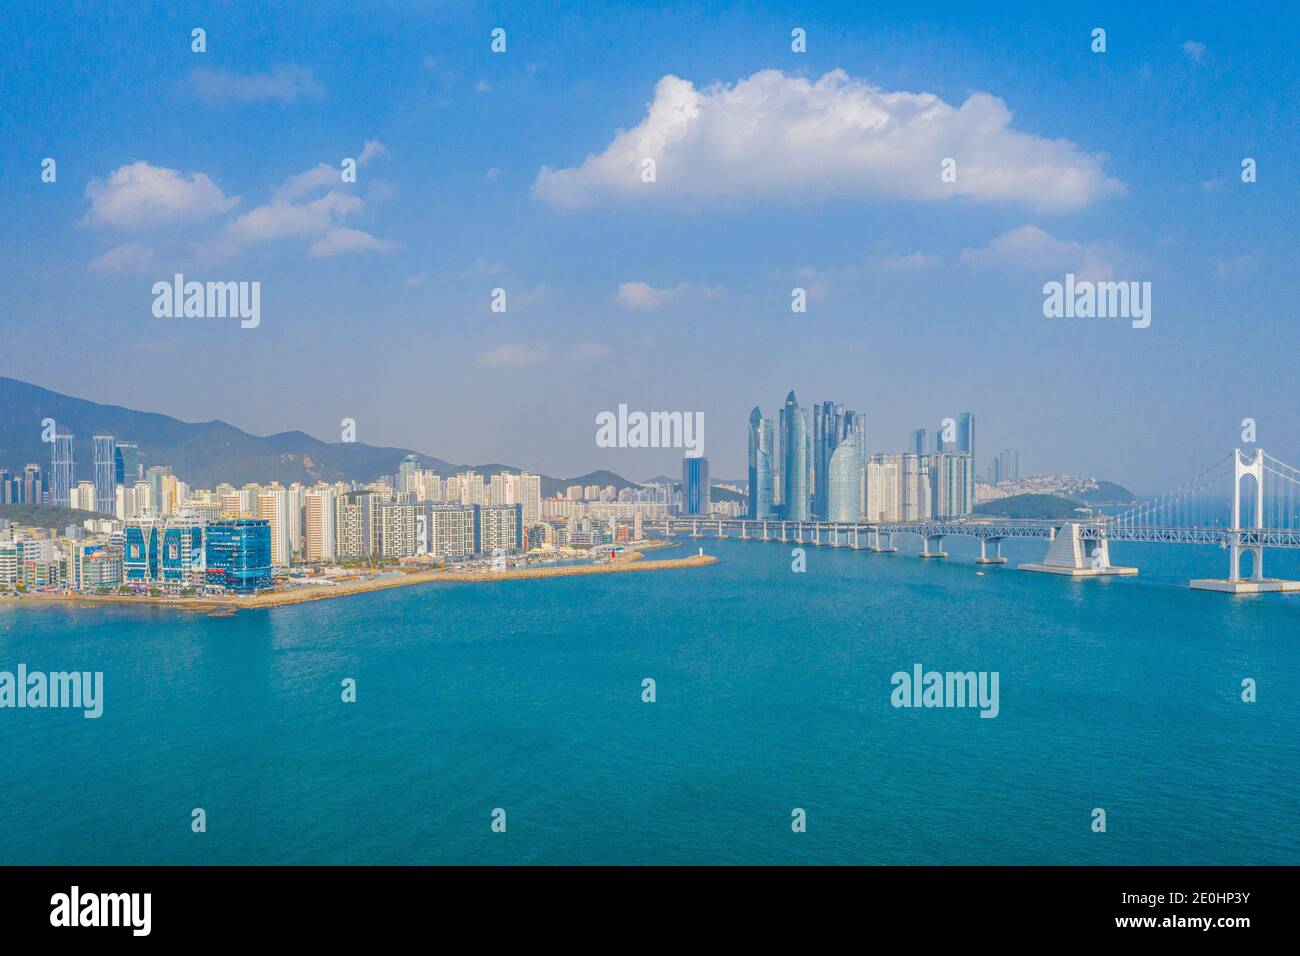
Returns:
(628,561)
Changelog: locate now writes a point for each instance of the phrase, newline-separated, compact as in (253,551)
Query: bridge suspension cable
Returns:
(1190,505)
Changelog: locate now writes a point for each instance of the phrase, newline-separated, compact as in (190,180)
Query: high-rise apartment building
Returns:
(884,488)
(952,484)
(273,508)
(319,508)
(500,528)
(35,485)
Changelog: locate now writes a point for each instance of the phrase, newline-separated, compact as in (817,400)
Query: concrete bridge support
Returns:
(937,541)
(997,552)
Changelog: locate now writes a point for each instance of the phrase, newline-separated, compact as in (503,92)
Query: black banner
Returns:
(334,905)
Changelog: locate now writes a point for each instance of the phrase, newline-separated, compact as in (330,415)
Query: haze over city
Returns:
(478,171)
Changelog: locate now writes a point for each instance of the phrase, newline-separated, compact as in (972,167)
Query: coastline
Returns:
(626,562)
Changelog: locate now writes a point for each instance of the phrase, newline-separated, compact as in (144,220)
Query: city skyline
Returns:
(471,176)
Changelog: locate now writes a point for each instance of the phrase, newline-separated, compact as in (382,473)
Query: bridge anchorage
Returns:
(1265,495)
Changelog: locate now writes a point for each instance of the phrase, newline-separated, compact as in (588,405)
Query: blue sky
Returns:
(675,296)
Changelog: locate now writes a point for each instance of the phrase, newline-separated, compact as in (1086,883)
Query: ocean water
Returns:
(773,692)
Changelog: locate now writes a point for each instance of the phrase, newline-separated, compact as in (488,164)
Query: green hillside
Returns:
(1029,506)
(45,516)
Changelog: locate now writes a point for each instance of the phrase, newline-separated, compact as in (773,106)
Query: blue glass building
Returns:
(140,553)
(105,473)
(238,553)
(696,499)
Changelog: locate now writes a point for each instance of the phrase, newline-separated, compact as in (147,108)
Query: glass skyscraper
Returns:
(62,471)
(760,466)
(125,461)
(966,433)
(832,424)
(238,554)
(695,486)
(105,473)
(795,451)
(843,481)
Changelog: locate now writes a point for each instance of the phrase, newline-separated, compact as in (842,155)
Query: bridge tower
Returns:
(1242,469)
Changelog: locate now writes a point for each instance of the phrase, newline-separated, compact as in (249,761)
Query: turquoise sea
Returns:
(773,692)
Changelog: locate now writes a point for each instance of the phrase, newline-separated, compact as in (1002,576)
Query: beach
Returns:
(621,563)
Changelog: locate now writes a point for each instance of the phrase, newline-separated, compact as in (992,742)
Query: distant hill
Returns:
(1108,491)
(601,478)
(1028,506)
(206,453)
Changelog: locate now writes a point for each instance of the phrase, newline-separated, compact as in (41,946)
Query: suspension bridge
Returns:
(1260,509)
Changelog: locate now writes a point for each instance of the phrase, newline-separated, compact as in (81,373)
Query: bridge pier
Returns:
(938,544)
(720,534)
(997,552)
(1071,555)
(877,547)
(695,530)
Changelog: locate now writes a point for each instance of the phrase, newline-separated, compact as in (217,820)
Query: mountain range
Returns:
(207,453)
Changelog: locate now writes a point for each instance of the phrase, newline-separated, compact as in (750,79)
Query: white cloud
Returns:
(1031,248)
(913,262)
(481,267)
(492,175)
(1232,268)
(347,240)
(516,355)
(786,138)
(323,175)
(140,196)
(1194,50)
(643,296)
(128,257)
(283,84)
(280,219)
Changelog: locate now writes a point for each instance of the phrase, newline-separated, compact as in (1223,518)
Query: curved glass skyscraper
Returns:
(760,466)
(795,449)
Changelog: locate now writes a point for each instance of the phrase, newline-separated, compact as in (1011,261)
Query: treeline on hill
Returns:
(1029,506)
(46,516)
